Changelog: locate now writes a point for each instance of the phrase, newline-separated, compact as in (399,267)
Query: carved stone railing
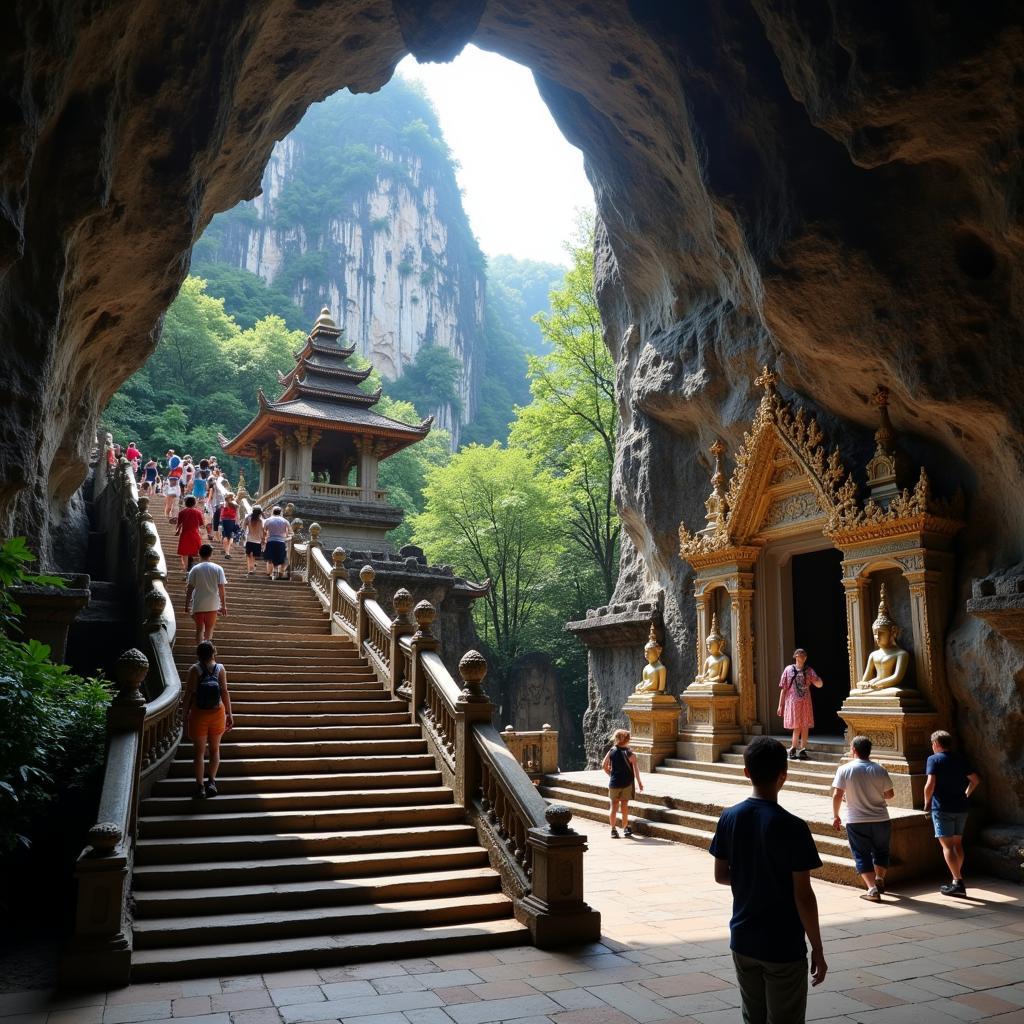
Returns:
(143,730)
(336,491)
(279,489)
(539,858)
(536,751)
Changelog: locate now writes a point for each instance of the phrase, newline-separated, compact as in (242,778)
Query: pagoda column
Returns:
(291,458)
(306,440)
(367,468)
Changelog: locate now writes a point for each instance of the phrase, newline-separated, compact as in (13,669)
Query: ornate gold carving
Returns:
(794,508)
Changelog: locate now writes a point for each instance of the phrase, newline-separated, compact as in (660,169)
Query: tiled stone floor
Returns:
(920,957)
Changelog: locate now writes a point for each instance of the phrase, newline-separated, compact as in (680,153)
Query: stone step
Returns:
(305,734)
(334,892)
(183,785)
(817,762)
(268,925)
(299,657)
(300,820)
(398,717)
(311,765)
(297,870)
(230,801)
(327,950)
(186,849)
(296,749)
(357,683)
(308,641)
(801,782)
(296,675)
(288,706)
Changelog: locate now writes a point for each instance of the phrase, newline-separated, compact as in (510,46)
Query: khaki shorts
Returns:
(621,792)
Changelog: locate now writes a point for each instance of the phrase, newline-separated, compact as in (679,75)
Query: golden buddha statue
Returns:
(655,674)
(888,663)
(716,664)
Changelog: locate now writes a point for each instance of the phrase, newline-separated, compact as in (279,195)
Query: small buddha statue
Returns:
(654,672)
(716,664)
(888,663)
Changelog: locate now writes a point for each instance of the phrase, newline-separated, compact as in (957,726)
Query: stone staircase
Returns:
(684,799)
(811,776)
(332,839)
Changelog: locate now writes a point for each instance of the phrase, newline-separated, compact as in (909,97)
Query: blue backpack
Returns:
(208,687)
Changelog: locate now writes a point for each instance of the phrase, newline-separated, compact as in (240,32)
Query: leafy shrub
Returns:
(52,738)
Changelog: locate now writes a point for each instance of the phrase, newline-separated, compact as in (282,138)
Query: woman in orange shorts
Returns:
(206,709)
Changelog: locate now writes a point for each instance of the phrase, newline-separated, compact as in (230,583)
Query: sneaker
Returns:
(803,755)
(615,833)
(792,753)
(871,895)
(954,889)
(880,885)
(227,556)
(628,833)
(200,793)
(211,787)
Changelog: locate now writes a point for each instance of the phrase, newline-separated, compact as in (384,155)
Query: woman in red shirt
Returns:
(190,522)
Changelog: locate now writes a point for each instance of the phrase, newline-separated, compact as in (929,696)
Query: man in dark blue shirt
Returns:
(767,854)
(951,781)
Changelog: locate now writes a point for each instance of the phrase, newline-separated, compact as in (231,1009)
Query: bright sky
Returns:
(522,182)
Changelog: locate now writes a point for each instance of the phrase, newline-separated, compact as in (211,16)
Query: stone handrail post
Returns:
(314,542)
(473,706)
(422,640)
(295,537)
(339,572)
(401,625)
(367,591)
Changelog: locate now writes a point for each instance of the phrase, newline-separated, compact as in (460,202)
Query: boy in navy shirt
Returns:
(766,855)
(951,781)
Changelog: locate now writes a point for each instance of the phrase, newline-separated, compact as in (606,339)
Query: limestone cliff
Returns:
(374,231)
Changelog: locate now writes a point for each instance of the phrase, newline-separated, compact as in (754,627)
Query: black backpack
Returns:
(208,687)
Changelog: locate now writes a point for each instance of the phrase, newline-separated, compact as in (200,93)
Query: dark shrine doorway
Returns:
(819,625)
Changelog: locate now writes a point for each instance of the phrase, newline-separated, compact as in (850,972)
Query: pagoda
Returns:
(319,445)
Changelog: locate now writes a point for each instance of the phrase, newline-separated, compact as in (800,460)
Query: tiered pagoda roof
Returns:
(322,392)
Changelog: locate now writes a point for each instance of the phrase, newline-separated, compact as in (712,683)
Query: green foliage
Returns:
(202,378)
(430,381)
(570,425)
(247,299)
(493,515)
(525,285)
(51,738)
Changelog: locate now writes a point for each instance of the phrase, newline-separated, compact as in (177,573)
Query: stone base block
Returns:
(712,722)
(899,726)
(550,929)
(653,725)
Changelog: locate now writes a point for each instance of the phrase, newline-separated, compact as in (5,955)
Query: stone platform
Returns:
(686,810)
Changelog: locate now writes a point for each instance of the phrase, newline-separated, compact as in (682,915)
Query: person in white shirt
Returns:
(865,786)
(205,595)
(276,531)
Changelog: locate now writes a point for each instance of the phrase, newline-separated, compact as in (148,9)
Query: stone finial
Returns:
(103,839)
(338,556)
(289,511)
(509,729)
(325,319)
(143,503)
(546,727)
(472,668)
(298,525)
(558,817)
(240,491)
(402,603)
(314,534)
(367,575)
(151,559)
(717,504)
(129,671)
(154,602)
(424,613)
(887,467)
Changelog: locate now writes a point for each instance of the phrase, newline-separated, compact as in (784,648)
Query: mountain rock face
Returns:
(376,233)
(832,188)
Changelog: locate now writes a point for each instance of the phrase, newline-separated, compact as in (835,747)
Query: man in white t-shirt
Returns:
(866,786)
(204,594)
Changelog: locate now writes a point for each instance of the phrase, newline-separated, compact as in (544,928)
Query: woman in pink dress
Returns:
(795,701)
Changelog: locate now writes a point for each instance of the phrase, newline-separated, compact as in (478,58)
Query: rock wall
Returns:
(394,274)
(833,188)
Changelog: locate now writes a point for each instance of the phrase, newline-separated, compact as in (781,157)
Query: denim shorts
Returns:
(949,823)
(276,552)
(229,528)
(869,844)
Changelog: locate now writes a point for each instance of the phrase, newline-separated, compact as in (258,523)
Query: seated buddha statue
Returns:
(716,664)
(888,663)
(655,674)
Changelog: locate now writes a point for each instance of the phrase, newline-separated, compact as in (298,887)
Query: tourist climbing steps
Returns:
(332,839)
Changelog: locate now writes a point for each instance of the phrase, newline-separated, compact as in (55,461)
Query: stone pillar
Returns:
(281,444)
(422,640)
(654,727)
(367,474)
(401,625)
(741,625)
(929,613)
(858,621)
(291,458)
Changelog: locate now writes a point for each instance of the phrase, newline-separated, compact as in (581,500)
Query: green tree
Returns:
(493,515)
(430,381)
(571,423)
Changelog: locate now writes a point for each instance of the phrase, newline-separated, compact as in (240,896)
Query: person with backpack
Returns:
(206,708)
(204,593)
